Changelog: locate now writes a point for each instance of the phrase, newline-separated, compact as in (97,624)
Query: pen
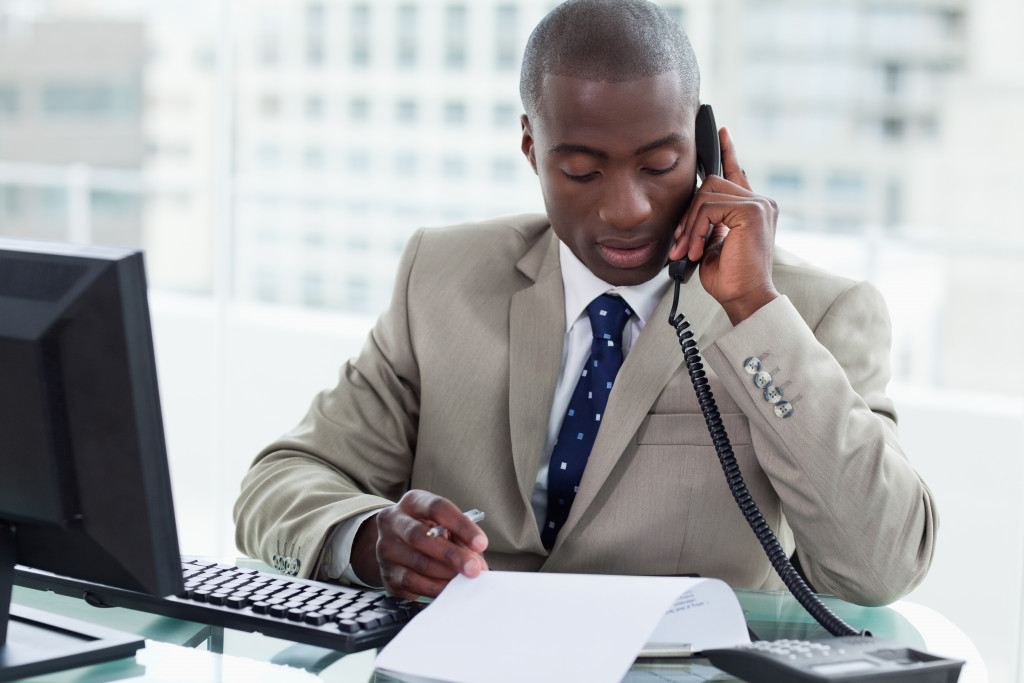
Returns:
(473,515)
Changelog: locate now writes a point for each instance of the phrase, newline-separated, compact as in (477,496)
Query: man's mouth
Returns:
(624,255)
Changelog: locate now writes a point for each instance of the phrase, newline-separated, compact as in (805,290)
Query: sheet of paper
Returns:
(522,626)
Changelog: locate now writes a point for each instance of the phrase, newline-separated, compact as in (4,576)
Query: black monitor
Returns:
(84,484)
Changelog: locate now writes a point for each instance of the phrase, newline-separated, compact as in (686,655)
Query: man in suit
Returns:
(462,388)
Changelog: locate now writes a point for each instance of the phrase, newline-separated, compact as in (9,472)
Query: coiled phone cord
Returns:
(776,555)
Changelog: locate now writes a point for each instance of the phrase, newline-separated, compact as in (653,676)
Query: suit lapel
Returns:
(536,337)
(652,361)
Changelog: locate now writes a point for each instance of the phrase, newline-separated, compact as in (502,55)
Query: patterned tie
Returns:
(608,315)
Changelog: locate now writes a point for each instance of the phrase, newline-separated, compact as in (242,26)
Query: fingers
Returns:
(731,168)
(414,564)
(717,202)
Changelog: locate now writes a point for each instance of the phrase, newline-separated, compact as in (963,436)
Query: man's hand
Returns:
(392,548)
(737,264)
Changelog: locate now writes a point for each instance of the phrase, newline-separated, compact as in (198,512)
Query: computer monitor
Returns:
(84,484)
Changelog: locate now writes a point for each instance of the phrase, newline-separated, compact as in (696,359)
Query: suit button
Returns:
(772,394)
(762,379)
(752,365)
(784,409)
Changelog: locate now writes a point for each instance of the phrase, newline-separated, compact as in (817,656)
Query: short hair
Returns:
(606,40)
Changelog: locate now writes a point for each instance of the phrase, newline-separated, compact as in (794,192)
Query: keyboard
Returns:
(301,610)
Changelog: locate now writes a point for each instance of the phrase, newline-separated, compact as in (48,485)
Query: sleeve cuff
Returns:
(337,564)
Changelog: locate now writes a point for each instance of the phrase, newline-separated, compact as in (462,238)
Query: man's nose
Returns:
(625,205)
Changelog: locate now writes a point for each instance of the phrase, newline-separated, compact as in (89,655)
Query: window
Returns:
(406,164)
(785,182)
(269,157)
(8,101)
(314,158)
(405,111)
(359,109)
(453,167)
(269,52)
(110,202)
(406,35)
(10,200)
(358,161)
(455,36)
(53,200)
(315,51)
(313,289)
(845,186)
(359,37)
(503,170)
(316,15)
(454,113)
(314,107)
(506,114)
(893,78)
(90,99)
(893,203)
(893,127)
(267,286)
(506,37)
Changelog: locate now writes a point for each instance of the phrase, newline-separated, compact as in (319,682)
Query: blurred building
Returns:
(70,106)
(829,100)
(283,151)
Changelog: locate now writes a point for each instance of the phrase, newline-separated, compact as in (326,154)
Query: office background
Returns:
(272,157)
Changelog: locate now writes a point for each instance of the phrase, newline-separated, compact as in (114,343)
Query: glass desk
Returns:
(186,651)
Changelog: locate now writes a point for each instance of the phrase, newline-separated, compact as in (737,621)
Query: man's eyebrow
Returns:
(669,139)
(567,148)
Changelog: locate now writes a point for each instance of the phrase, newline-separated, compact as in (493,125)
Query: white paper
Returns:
(523,626)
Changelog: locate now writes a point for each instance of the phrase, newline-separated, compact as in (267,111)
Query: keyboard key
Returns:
(368,620)
(237,601)
(315,618)
(347,626)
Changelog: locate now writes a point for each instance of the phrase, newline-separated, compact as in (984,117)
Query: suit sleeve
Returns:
(864,523)
(351,453)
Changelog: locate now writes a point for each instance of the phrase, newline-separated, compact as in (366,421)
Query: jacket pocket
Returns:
(688,429)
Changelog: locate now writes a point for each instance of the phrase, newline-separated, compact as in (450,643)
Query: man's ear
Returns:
(527,145)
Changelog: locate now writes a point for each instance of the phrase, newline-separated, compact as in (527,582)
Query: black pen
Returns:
(473,515)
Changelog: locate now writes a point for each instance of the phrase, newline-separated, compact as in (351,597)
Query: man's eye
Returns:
(663,171)
(579,178)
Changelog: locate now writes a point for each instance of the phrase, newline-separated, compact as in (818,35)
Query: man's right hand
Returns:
(392,549)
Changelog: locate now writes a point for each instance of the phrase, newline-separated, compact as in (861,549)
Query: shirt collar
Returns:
(582,286)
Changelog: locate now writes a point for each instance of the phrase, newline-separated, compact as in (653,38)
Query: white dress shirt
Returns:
(581,287)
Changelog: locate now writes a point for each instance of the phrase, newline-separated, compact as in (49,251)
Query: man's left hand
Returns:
(736,264)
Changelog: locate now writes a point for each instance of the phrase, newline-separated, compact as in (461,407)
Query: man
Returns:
(460,393)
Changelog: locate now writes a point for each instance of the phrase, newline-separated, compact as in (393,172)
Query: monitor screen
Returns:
(84,482)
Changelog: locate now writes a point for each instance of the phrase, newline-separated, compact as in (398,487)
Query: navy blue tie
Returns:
(608,316)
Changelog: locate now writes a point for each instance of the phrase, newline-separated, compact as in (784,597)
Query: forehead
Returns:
(633,112)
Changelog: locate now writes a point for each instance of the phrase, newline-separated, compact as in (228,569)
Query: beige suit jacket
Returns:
(453,389)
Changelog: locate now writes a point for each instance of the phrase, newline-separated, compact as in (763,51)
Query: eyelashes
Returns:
(587,177)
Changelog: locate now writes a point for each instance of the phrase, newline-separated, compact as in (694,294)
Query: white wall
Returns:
(970,451)
(224,401)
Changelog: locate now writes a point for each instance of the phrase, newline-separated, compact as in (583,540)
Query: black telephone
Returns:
(709,162)
(741,660)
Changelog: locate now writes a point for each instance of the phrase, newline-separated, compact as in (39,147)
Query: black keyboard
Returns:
(326,615)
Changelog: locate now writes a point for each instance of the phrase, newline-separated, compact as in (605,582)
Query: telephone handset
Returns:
(709,162)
